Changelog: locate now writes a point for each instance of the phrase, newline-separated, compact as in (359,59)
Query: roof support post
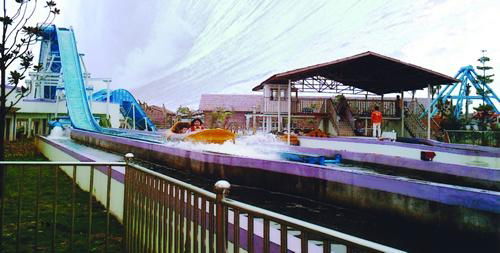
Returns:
(279,108)
(429,110)
(402,109)
(254,119)
(263,123)
(382,108)
(289,110)
(366,111)
(107,98)
(57,103)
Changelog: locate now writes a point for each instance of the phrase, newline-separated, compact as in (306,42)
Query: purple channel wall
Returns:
(461,149)
(487,174)
(465,208)
(258,241)
(115,174)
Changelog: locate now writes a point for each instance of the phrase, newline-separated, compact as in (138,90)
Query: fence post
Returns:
(221,189)
(127,239)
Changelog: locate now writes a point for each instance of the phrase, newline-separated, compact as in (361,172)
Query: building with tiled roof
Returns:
(238,106)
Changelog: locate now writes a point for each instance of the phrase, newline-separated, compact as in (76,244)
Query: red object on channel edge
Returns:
(427,155)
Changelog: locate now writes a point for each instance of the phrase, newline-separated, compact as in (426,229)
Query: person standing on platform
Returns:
(377,121)
(399,106)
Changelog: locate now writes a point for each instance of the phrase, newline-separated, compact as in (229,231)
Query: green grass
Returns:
(26,178)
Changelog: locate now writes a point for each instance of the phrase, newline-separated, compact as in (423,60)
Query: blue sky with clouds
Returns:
(171,52)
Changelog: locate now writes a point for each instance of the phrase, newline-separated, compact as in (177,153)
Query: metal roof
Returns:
(368,71)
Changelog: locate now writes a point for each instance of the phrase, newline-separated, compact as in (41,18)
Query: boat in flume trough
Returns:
(213,136)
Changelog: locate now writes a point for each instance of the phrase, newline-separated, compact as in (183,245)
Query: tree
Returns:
(184,112)
(19,34)
(484,79)
(219,117)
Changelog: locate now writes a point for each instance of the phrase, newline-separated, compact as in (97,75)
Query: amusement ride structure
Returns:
(60,59)
(460,93)
(129,107)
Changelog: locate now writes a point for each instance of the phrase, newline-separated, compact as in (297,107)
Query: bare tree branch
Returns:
(19,55)
(17,23)
(18,11)
(20,29)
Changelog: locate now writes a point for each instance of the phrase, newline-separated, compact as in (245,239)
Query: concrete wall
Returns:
(425,202)
(57,152)
(452,155)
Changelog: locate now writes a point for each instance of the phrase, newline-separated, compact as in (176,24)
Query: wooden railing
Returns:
(418,126)
(302,105)
(332,114)
(319,105)
(365,107)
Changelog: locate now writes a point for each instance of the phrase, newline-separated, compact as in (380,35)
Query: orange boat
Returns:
(294,140)
(217,136)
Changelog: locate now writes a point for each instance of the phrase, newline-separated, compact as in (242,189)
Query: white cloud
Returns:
(173,51)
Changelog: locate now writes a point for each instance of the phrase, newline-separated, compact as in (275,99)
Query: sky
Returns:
(172,51)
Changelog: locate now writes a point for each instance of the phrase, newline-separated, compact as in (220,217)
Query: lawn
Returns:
(37,236)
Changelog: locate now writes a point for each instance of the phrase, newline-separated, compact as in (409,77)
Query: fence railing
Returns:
(39,207)
(482,138)
(365,107)
(160,214)
(163,214)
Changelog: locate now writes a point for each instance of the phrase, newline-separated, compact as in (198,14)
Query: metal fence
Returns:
(163,214)
(37,214)
(482,138)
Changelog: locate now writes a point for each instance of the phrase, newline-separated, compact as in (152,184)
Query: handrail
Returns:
(150,197)
(62,163)
(192,188)
(308,226)
(331,111)
(347,113)
(212,211)
(472,131)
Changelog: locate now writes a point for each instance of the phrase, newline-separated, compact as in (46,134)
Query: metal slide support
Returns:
(133,117)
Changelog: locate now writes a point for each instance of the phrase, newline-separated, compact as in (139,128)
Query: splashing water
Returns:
(58,133)
(261,146)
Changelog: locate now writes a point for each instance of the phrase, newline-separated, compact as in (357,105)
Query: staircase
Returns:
(417,126)
(345,128)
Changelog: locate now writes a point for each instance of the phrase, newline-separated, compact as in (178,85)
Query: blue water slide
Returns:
(128,106)
(59,55)
(74,86)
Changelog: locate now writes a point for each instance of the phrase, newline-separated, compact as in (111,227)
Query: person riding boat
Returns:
(196,125)
(182,131)
(178,131)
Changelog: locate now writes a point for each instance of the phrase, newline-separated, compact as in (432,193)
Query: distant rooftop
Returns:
(237,103)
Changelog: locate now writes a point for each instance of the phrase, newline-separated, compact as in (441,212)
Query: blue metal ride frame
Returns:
(127,102)
(466,75)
